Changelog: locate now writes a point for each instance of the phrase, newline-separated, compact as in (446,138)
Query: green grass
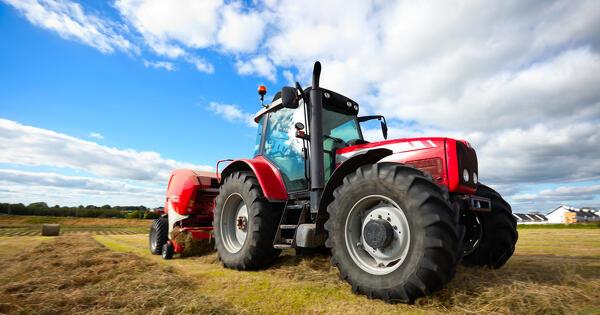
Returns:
(560,226)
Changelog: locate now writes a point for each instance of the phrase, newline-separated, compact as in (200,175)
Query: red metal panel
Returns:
(268,176)
(414,151)
(188,191)
(453,171)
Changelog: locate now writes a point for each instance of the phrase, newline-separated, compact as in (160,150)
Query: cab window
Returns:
(284,149)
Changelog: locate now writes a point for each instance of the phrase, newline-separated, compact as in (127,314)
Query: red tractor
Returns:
(397,215)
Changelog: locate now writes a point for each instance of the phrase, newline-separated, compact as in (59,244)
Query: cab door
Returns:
(283,149)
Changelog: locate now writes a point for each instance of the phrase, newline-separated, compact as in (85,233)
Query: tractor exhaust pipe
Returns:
(317,168)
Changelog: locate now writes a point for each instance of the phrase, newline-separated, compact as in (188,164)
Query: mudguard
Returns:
(268,176)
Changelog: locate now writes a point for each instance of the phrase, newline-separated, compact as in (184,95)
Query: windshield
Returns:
(342,126)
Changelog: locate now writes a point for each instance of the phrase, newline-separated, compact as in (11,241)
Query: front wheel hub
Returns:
(378,233)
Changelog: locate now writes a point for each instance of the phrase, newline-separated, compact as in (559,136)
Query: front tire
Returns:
(498,232)
(412,256)
(158,235)
(245,224)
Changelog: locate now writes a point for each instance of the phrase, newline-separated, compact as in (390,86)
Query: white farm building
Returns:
(566,214)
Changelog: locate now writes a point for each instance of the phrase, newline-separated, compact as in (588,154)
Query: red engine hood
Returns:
(434,155)
(396,146)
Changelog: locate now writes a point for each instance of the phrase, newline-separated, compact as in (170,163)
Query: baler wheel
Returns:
(245,224)
(498,233)
(392,233)
(168,250)
(159,235)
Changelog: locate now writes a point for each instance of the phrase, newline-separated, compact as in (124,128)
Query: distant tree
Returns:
(38,205)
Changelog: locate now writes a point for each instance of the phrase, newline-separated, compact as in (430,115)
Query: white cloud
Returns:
(240,32)
(16,192)
(96,135)
(27,145)
(541,153)
(289,77)
(79,182)
(232,113)
(166,65)
(201,64)
(563,192)
(172,29)
(70,21)
(166,25)
(260,66)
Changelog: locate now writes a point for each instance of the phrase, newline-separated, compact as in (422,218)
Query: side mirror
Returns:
(384,128)
(289,97)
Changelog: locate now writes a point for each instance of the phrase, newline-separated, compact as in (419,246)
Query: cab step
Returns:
(294,214)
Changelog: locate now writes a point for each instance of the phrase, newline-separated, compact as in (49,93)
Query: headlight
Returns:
(466,176)
(355,107)
(474,177)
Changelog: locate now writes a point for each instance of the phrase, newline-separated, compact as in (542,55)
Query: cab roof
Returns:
(331,100)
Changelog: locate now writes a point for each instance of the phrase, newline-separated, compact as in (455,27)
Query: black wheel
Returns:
(158,235)
(245,224)
(496,231)
(167,250)
(317,251)
(392,233)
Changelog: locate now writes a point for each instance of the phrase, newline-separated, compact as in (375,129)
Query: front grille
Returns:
(467,159)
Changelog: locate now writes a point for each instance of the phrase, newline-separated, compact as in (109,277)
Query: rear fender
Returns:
(268,176)
(336,179)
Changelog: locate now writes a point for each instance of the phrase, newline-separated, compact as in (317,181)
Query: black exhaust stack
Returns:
(317,168)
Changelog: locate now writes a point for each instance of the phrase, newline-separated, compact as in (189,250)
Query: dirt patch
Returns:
(78,275)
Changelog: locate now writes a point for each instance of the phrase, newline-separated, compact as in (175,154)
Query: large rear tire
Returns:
(412,256)
(245,224)
(158,235)
(497,232)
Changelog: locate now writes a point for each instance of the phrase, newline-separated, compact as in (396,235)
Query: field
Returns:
(31,225)
(554,271)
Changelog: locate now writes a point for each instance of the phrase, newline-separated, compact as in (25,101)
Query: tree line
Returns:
(89,211)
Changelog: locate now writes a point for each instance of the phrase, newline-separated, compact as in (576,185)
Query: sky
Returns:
(100,100)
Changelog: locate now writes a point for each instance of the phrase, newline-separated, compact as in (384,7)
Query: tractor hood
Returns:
(449,161)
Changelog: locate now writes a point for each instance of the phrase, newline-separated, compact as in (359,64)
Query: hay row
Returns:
(35,232)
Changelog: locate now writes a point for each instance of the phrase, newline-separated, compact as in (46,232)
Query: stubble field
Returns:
(98,270)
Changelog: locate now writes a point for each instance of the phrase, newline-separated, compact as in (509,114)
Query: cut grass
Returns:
(78,275)
(553,271)
(31,225)
(18,220)
(11,246)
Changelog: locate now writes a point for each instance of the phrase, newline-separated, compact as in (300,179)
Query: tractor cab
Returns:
(283,131)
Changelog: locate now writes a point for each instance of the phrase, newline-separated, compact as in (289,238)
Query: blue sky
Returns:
(61,85)
(110,96)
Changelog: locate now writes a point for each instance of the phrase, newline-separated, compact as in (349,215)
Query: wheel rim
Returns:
(234,223)
(473,235)
(385,259)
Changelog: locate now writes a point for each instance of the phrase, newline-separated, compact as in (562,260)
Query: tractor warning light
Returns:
(262,91)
